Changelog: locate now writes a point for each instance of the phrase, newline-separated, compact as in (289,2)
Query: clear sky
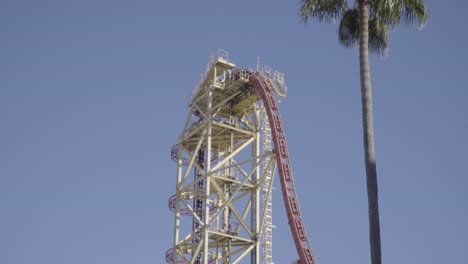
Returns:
(93,95)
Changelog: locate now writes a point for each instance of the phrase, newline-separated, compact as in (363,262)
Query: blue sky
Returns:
(93,95)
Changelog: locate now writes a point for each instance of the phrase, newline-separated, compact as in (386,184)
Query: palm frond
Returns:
(392,12)
(348,30)
(387,11)
(323,10)
(415,12)
(378,36)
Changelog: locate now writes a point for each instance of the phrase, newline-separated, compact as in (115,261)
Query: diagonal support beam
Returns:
(194,214)
(192,157)
(235,152)
(243,254)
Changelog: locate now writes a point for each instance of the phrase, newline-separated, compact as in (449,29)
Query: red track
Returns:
(293,211)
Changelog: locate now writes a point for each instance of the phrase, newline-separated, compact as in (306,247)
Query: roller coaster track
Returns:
(296,223)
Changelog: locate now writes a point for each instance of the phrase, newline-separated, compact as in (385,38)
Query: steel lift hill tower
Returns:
(225,169)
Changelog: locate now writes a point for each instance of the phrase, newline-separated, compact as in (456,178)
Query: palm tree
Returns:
(366,23)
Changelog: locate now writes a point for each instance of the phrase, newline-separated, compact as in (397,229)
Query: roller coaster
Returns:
(232,143)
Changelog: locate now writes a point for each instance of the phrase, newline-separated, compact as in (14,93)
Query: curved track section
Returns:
(264,89)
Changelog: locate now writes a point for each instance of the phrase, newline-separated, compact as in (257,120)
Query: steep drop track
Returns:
(264,89)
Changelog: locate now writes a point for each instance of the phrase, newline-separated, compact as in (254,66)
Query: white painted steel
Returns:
(235,178)
(267,184)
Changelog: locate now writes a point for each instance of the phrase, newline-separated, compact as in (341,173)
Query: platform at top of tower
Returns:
(216,66)
(232,93)
(233,97)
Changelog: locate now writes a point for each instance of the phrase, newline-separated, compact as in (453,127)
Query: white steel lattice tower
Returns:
(224,167)
(225,170)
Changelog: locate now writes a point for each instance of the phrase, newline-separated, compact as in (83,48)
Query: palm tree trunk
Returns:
(367,118)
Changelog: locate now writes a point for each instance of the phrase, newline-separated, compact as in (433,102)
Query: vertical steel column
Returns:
(198,201)
(255,213)
(177,205)
(268,171)
(227,211)
(208,154)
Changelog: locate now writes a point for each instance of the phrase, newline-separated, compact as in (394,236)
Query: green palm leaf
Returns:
(348,32)
(323,10)
(378,36)
(416,12)
(392,12)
